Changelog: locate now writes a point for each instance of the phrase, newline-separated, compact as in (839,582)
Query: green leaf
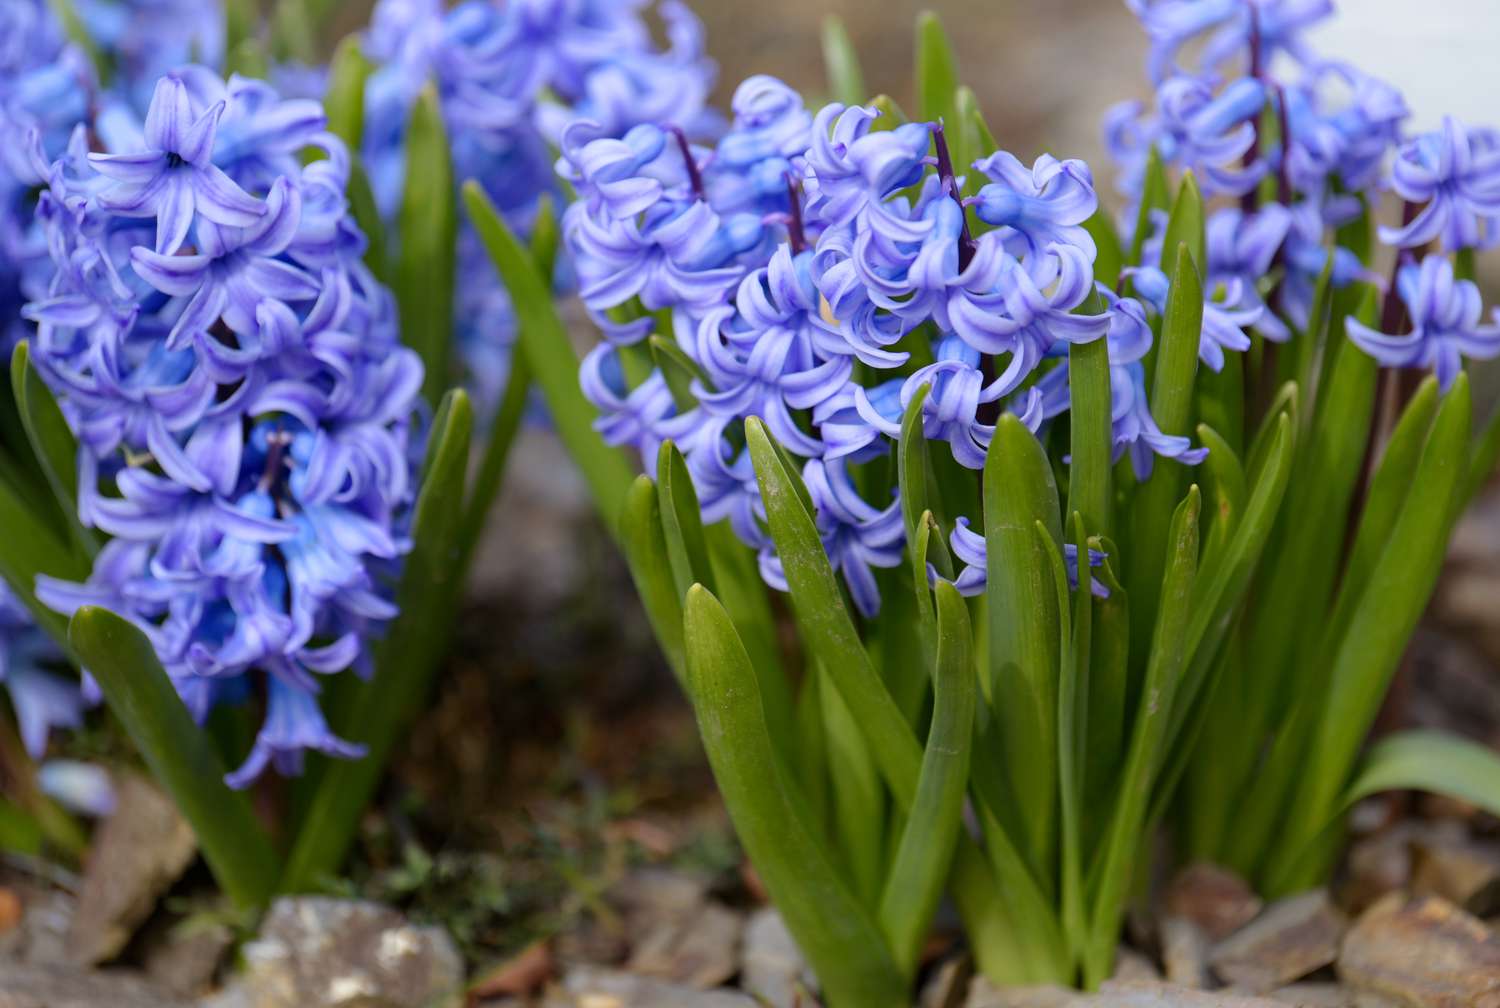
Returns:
(846,82)
(1024,627)
(1224,479)
(1154,196)
(1391,601)
(29,547)
(52,443)
(344,100)
(379,709)
(367,216)
(839,937)
(1431,761)
(926,849)
(1109,673)
(549,356)
(1072,721)
(679,370)
(859,808)
(682,521)
(178,752)
(1185,224)
(504,426)
(1171,405)
(293,35)
(648,555)
(428,226)
(1110,878)
(1089,491)
(827,629)
(1110,259)
(969,139)
(937,71)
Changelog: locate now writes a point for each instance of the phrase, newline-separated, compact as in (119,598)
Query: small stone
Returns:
(1214,898)
(1117,994)
(10,909)
(60,985)
(1184,952)
(949,984)
(1131,965)
(138,852)
(1423,951)
(1315,995)
(1290,939)
(1376,865)
(185,958)
(318,952)
(983,994)
(591,987)
(1460,871)
(701,949)
(771,965)
(41,934)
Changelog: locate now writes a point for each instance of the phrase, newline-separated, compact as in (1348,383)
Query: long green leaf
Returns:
(648,556)
(1431,761)
(344,99)
(839,937)
(52,443)
(28,548)
(178,752)
(682,521)
(1023,623)
(826,625)
(380,708)
(937,72)
(543,341)
(1169,651)
(1089,491)
(1391,602)
(846,82)
(428,226)
(926,850)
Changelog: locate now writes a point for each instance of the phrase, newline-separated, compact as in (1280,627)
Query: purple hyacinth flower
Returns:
(1224,321)
(1029,312)
(173,178)
(1241,249)
(1445,315)
(1345,140)
(856,535)
(970,550)
(1456,173)
(40,699)
(1195,128)
(1041,205)
(234,270)
(956,389)
(1274,26)
(631,418)
(294,724)
(853,171)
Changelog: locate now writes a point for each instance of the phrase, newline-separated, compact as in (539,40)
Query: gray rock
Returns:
(983,994)
(1290,939)
(1423,952)
(64,986)
(592,987)
(1116,994)
(1459,870)
(317,952)
(1184,952)
(138,852)
(41,935)
(1216,899)
(771,965)
(1328,995)
(699,948)
(1131,965)
(183,959)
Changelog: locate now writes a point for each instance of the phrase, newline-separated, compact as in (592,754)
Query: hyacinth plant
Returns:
(234,305)
(1089,525)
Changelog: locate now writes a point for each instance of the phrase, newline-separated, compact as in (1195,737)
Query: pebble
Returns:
(1290,939)
(1424,952)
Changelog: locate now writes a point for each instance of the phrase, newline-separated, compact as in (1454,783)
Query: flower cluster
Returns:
(508,77)
(819,269)
(242,404)
(1305,144)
